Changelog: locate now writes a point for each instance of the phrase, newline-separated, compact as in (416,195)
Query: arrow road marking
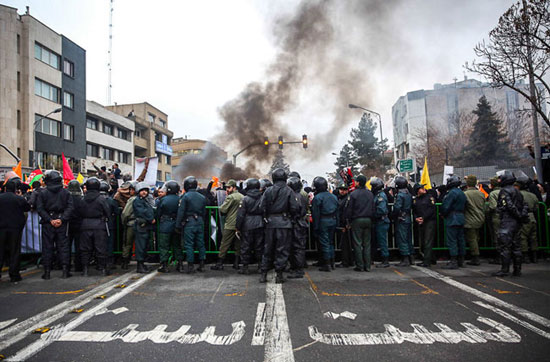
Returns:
(278,345)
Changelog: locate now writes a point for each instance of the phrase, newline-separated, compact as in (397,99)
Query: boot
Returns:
(236,262)
(517,266)
(179,267)
(525,258)
(190,268)
(385,263)
(200,269)
(332,264)
(411,260)
(474,260)
(279,279)
(66,274)
(85,271)
(452,264)
(297,274)
(504,270)
(218,266)
(263,277)
(141,268)
(46,274)
(163,267)
(460,261)
(404,261)
(325,266)
(125,264)
(341,265)
(244,270)
(112,264)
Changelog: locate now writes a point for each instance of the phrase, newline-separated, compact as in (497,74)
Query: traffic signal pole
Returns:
(266,143)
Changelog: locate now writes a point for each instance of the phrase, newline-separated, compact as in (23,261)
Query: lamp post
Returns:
(34,153)
(352,106)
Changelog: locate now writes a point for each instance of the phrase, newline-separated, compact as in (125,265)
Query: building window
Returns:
(18,81)
(49,161)
(123,157)
(18,44)
(107,129)
(68,100)
(18,119)
(18,152)
(137,133)
(168,176)
(159,175)
(108,154)
(48,126)
(158,137)
(159,156)
(92,150)
(162,123)
(91,123)
(151,117)
(122,133)
(46,90)
(168,159)
(68,67)
(46,55)
(68,132)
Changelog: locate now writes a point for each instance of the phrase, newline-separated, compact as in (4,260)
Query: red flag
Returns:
(67,172)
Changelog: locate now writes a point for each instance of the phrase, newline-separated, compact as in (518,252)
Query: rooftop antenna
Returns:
(110,54)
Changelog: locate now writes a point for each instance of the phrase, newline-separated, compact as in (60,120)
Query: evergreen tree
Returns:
(366,147)
(346,159)
(279,162)
(488,143)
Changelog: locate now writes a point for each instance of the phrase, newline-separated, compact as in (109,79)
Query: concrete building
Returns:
(152,138)
(438,109)
(201,159)
(41,71)
(109,140)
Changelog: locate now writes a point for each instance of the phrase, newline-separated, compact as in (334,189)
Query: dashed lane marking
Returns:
(278,345)
(51,293)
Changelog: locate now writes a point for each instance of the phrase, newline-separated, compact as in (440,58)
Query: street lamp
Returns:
(35,159)
(352,106)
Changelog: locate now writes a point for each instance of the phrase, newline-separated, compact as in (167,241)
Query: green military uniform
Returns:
(229,208)
(167,210)
(128,220)
(528,231)
(145,215)
(382,222)
(492,214)
(453,212)
(191,214)
(474,218)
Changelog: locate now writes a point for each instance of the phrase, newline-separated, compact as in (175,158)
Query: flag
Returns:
(34,176)
(482,189)
(17,170)
(216,182)
(80,178)
(368,185)
(425,179)
(67,172)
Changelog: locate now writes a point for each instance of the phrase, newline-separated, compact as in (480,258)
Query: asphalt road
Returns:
(397,314)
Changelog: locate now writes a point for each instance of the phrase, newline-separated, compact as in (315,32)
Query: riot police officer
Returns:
(299,231)
(74,225)
(167,212)
(452,210)
(55,207)
(279,206)
(114,212)
(528,231)
(190,218)
(381,220)
(424,210)
(324,211)
(402,215)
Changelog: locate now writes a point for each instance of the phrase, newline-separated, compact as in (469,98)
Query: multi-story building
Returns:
(441,108)
(43,93)
(213,156)
(109,139)
(152,138)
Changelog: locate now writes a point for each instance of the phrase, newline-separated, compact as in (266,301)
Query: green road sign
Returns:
(406,165)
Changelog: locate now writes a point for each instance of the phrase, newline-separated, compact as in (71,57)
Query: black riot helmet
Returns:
(320,184)
(279,175)
(252,184)
(53,177)
(74,187)
(523,181)
(453,181)
(294,174)
(400,182)
(265,183)
(190,183)
(172,187)
(295,184)
(376,184)
(506,178)
(93,183)
(104,187)
(13,184)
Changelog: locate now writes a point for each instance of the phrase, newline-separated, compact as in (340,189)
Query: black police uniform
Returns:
(74,233)
(250,224)
(424,207)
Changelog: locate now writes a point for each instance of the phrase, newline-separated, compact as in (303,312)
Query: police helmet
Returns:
(13,184)
(134,185)
(342,186)
(361,180)
(506,177)
(265,183)
(279,175)
(104,187)
(252,184)
(295,174)
(400,182)
(52,177)
(142,186)
(523,181)
(294,183)
(190,183)
(172,187)
(126,185)
(93,183)
(320,184)
(376,184)
(453,181)
(74,187)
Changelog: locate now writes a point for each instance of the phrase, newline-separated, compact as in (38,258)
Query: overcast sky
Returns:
(188,58)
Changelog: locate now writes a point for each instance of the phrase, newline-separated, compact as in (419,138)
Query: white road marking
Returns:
(216,292)
(487,297)
(158,335)
(346,314)
(59,330)
(278,345)
(22,329)
(114,311)
(258,337)
(522,323)
(421,335)
(7,323)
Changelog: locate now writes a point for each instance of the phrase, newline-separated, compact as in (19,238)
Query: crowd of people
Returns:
(267,222)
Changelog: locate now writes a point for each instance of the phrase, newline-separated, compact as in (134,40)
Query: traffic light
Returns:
(281,142)
(304,141)
(266,141)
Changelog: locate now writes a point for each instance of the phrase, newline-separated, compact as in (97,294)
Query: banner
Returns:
(151,176)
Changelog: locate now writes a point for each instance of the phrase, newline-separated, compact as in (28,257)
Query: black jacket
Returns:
(361,204)
(14,215)
(249,215)
(510,204)
(279,206)
(424,207)
(93,210)
(54,203)
(76,220)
